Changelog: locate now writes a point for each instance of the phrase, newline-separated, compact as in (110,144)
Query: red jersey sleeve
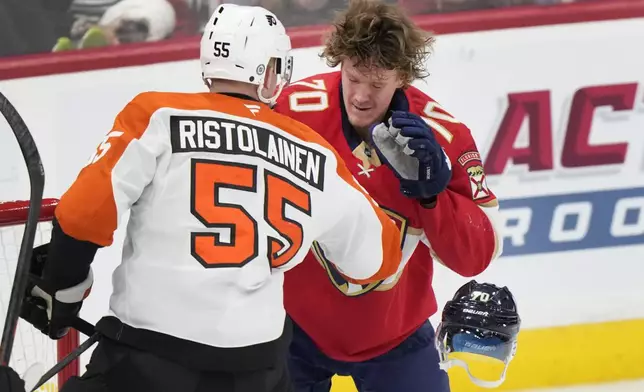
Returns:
(463,228)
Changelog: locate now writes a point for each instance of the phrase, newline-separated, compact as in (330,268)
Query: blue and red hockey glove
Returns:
(408,146)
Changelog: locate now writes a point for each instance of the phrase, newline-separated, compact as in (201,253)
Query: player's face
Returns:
(367,93)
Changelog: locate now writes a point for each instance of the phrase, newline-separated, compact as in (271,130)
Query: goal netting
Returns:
(30,345)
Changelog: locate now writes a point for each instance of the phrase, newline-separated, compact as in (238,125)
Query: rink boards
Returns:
(558,114)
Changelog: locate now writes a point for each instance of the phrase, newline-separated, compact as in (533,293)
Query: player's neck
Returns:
(363,133)
(228,86)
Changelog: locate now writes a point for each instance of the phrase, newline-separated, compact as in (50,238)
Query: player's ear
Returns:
(400,81)
(401,84)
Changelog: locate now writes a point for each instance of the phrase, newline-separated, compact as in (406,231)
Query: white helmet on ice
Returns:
(239,43)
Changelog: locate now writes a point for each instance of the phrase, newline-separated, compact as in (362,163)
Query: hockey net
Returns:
(30,345)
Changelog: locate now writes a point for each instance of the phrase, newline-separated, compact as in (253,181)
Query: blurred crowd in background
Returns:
(38,26)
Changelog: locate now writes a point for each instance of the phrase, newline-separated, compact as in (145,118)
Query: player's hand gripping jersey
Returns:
(459,231)
(225,196)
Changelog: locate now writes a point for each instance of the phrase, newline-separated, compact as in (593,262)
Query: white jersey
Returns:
(225,195)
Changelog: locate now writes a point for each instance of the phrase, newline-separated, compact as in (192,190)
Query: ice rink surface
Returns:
(626,386)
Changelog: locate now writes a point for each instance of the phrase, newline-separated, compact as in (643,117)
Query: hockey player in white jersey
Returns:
(225,196)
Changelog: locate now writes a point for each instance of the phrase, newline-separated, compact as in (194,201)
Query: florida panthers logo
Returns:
(478,182)
(409,240)
(367,155)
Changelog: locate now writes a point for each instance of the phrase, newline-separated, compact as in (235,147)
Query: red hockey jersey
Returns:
(459,232)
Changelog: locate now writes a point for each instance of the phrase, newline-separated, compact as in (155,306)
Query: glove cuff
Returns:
(420,190)
(69,295)
(429,202)
(76,293)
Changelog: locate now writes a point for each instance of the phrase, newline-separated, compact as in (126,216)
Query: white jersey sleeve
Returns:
(360,239)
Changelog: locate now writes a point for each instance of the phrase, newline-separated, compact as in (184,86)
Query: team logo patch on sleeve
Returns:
(478,182)
(468,157)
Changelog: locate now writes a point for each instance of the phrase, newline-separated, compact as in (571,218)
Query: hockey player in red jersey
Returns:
(381,335)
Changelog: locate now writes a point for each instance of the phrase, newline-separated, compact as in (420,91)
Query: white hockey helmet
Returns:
(239,42)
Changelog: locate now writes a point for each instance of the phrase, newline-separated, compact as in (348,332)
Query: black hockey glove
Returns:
(10,380)
(52,312)
(408,146)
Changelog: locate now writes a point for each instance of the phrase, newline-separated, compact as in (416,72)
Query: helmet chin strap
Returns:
(272,100)
(481,383)
(448,363)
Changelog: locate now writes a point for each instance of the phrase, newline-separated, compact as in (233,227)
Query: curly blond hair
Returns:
(374,34)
